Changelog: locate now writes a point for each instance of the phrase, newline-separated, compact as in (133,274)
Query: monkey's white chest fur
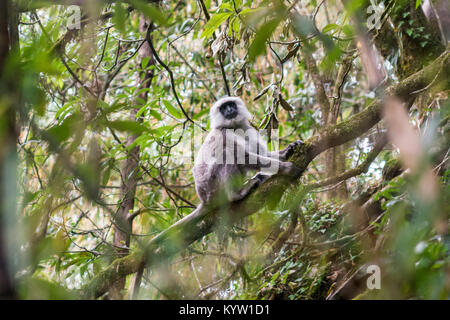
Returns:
(225,152)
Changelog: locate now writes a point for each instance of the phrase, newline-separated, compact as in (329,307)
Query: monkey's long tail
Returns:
(196,214)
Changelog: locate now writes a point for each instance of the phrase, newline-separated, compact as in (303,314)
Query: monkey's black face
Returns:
(229,110)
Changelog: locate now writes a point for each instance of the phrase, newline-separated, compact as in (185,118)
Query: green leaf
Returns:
(106,175)
(330,27)
(258,45)
(144,62)
(119,17)
(227,6)
(155,114)
(62,131)
(141,111)
(63,110)
(213,23)
(172,110)
(151,11)
(245,12)
(348,30)
(352,6)
(111,108)
(236,27)
(130,126)
(159,132)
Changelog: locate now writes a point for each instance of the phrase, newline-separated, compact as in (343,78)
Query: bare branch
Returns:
(362,168)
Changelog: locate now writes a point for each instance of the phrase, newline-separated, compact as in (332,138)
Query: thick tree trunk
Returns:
(334,158)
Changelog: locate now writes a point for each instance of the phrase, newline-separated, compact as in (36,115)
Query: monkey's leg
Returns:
(236,195)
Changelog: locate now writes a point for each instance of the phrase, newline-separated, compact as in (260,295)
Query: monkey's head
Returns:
(229,112)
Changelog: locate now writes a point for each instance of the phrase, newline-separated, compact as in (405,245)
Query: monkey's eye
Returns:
(229,110)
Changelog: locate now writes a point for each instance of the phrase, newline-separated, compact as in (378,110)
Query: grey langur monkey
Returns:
(231,149)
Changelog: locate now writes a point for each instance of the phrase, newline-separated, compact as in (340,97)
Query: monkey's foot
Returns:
(289,151)
(261,177)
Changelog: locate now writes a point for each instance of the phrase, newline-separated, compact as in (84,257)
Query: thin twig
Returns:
(172,80)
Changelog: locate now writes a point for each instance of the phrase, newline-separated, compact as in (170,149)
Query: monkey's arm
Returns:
(284,154)
(270,165)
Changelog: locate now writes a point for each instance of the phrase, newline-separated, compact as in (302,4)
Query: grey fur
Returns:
(213,175)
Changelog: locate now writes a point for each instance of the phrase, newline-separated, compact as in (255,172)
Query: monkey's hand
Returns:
(286,153)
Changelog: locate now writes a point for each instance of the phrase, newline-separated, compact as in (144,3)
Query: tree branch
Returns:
(363,167)
(172,80)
